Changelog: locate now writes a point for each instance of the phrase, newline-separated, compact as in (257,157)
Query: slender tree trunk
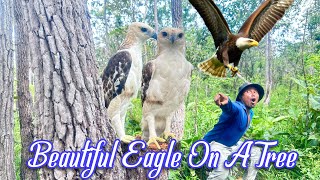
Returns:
(69,106)
(133,8)
(290,90)
(303,69)
(207,90)
(24,97)
(106,24)
(176,12)
(155,8)
(144,16)
(6,92)
(196,106)
(177,125)
(246,69)
(268,70)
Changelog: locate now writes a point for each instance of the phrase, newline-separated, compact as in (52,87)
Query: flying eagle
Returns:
(122,76)
(230,46)
(165,84)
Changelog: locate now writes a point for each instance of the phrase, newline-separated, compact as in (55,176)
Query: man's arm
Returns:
(225,103)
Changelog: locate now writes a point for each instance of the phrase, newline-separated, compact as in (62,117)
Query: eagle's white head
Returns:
(246,43)
(172,38)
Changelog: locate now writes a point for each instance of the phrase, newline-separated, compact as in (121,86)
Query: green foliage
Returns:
(133,119)
(283,120)
(317,36)
(17,145)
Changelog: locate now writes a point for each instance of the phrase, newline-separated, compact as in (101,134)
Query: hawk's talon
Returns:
(155,141)
(166,135)
(127,139)
(234,70)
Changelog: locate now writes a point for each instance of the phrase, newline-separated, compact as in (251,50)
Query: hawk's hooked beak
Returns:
(172,39)
(154,36)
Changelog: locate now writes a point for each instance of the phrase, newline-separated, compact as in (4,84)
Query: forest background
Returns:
(286,63)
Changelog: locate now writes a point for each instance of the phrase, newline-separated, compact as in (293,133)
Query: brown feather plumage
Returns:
(146,77)
(213,19)
(264,18)
(114,76)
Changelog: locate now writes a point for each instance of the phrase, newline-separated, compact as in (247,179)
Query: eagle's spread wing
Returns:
(264,18)
(147,73)
(115,75)
(213,19)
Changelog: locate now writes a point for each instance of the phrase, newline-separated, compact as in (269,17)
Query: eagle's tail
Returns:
(213,67)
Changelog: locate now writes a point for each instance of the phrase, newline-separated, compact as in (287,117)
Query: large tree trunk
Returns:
(6,92)
(24,96)
(68,91)
(176,12)
(268,71)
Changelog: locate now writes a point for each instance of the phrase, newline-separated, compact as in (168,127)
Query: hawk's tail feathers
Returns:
(213,67)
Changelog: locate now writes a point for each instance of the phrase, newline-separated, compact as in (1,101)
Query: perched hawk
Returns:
(230,46)
(122,76)
(165,84)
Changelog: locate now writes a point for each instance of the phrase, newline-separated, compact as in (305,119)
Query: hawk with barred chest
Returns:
(165,84)
(122,76)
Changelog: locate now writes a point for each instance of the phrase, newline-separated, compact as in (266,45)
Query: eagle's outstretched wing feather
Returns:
(264,18)
(213,19)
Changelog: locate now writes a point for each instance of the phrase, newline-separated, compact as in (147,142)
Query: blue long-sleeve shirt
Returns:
(232,124)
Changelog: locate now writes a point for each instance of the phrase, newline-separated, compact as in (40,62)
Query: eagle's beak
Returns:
(254,43)
(154,36)
(172,39)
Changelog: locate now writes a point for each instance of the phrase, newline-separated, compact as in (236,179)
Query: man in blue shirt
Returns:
(233,123)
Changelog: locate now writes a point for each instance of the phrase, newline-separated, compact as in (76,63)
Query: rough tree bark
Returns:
(176,12)
(6,92)
(24,96)
(268,70)
(178,119)
(68,104)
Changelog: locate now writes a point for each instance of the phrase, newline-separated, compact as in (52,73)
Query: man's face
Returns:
(250,97)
